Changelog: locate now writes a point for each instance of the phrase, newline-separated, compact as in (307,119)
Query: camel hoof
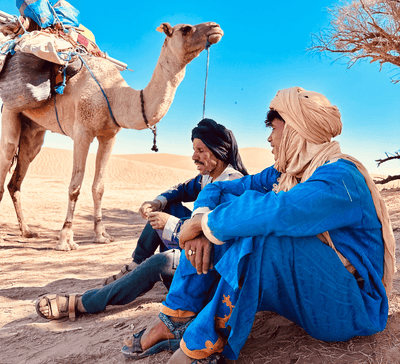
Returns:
(108,236)
(62,247)
(101,240)
(28,234)
(66,246)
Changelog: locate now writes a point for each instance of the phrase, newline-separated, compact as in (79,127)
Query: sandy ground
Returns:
(31,267)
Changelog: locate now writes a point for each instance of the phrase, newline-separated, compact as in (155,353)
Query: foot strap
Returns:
(177,328)
(71,307)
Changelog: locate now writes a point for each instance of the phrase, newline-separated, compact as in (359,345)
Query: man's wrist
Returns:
(207,232)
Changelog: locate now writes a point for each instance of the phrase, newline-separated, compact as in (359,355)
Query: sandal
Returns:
(124,270)
(212,359)
(55,313)
(136,352)
(180,357)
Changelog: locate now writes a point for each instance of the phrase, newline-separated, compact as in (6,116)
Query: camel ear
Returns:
(166,28)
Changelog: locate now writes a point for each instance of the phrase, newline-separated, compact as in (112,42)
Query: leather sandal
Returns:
(177,328)
(55,313)
(212,359)
(124,271)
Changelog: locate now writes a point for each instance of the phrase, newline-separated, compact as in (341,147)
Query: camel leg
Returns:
(10,133)
(30,144)
(81,150)
(102,157)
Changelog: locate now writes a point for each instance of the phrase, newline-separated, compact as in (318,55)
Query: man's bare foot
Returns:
(155,334)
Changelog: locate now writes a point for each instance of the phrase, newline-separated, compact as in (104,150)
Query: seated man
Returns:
(217,156)
(309,239)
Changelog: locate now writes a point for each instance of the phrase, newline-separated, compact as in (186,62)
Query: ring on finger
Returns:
(191,252)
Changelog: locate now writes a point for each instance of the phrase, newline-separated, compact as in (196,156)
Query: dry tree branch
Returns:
(360,30)
(387,179)
(388,158)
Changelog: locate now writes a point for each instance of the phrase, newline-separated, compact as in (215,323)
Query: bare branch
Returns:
(386,180)
(362,29)
(388,158)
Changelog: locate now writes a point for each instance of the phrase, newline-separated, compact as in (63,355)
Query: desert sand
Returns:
(31,267)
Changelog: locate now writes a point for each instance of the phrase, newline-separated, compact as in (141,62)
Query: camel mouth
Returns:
(216,36)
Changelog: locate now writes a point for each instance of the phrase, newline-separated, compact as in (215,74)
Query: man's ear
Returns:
(166,28)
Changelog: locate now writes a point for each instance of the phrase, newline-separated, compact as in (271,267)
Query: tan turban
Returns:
(311,121)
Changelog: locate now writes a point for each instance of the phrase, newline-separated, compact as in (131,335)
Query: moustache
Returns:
(198,162)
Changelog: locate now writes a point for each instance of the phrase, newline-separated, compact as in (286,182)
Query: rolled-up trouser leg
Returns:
(133,284)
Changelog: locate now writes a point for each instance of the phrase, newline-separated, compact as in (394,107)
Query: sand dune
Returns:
(156,169)
(255,159)
(153,170)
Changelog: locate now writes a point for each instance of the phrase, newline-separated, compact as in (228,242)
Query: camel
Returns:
(83,114)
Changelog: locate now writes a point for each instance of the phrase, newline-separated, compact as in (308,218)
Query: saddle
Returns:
(30,76)
(27,81)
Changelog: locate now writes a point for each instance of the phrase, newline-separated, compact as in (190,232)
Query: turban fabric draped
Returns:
(310,124)
(221,143)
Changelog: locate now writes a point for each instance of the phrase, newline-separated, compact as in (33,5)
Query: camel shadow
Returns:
(121,224)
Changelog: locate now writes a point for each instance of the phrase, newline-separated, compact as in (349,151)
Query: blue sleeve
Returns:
(213,194)
(328,200)
(184,192)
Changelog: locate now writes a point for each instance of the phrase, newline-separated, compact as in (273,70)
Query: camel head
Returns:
(188,41)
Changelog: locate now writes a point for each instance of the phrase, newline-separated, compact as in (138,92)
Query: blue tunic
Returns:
(271,248)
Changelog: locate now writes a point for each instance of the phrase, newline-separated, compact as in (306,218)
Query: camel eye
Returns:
(186,30)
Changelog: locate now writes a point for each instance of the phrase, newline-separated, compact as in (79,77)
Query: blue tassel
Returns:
(60,88)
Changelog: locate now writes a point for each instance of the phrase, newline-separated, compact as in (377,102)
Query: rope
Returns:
(153,128)
(58,121)
(10,47)
(208,45)
(56,16)
(22,25)
(104,94)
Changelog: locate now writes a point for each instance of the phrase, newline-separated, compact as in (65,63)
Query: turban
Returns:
(311,121)
(309,113)
(221,143)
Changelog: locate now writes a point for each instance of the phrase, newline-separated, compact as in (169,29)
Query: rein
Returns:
(208,45)
(153,128)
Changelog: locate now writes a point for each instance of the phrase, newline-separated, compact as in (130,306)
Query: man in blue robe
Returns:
(308,238)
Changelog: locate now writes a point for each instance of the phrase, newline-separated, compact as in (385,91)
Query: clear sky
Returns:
(264,49)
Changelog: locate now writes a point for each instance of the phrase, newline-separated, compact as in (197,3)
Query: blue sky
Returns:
(263,50)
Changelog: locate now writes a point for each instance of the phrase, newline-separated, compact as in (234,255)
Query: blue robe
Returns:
(272,260)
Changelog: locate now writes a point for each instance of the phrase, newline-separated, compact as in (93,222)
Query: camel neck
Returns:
(157,95)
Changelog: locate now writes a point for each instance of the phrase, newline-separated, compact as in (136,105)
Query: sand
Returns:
(31,267)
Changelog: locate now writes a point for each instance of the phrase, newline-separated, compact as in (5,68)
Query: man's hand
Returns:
(198,252)
(158,220)
(190,230)
(149,206)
